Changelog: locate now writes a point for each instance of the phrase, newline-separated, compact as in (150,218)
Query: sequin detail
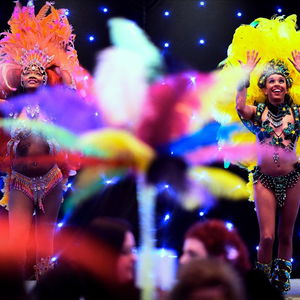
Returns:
(36,188)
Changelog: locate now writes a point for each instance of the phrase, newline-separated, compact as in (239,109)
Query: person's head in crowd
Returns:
(117,234)
(98,262)
(207,279)
(214,238)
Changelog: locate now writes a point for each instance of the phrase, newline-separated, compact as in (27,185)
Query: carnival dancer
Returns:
(38,50)
(267,102)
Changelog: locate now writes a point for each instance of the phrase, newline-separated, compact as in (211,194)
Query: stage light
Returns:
(202,3)
(193,79)
(54,259)
(166,186)
(67,12)
(166,13)
(166,45)
(201,41)
(60,224)
(104,9)
(112,180)
(201,213)
(91,38)
(257,248)
(279,10)
(229,226)
(167,218)
(239,14)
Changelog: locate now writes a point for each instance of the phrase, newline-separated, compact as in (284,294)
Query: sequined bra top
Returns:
(265,130)
(20,131)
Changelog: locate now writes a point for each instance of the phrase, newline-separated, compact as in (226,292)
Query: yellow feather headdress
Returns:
(274,39)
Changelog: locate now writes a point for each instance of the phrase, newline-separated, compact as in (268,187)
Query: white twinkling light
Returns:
(193,79)
(202,3)
(239,14)
(60,224)
(167,217)
(166,13)
(201,213)
(54,258)
(91,38)
(201,41)
(229,226)
(279,10)
(166,44)
(104,9)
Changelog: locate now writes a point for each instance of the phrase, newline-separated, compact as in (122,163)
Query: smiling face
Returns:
(33,76)
(275,89)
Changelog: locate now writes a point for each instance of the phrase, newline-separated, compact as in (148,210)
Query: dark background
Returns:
(215,22)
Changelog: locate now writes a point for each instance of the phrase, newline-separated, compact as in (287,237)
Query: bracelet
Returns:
(243,85)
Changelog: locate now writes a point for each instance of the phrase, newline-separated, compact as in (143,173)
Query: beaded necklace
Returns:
(264,130)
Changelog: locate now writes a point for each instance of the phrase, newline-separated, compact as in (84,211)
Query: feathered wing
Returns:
(123,71)
(139,42)
(173,109)
(221,183)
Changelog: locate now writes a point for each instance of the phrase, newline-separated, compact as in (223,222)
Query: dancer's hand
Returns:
(252,61)
(296,59)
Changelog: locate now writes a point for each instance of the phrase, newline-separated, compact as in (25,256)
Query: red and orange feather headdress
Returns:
(45,39)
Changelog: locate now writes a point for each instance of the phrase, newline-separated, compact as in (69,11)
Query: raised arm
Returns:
(296,60)
(246,111)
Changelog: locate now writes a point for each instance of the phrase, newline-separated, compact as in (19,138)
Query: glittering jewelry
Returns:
(275,120)
(277,113)
(32,42)
(275,67)
(44,265)
(32,111)
(276,159)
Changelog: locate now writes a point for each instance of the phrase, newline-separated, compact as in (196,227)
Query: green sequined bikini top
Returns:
(264,130)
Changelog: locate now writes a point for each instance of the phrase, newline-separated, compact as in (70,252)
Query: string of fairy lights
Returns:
(105,10)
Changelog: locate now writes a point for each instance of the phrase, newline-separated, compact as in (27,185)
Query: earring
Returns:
(45,79)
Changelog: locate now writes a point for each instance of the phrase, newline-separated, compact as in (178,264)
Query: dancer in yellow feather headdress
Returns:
(267,102)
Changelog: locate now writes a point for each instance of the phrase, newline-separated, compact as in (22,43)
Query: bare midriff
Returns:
(32,157)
